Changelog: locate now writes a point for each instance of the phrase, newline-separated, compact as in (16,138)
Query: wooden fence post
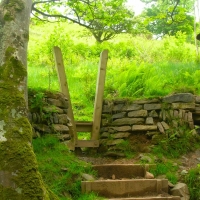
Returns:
(64,89)
(99,95)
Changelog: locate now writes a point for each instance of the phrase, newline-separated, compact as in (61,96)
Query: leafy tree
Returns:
(19,176)
(103,18)
(168,16)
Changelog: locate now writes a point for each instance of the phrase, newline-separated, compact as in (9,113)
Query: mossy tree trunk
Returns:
(19,176)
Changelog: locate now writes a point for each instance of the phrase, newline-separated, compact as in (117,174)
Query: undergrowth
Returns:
(60,169)
(193,181)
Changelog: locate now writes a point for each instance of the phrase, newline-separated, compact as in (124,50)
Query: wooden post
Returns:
(99,95)
(64,89)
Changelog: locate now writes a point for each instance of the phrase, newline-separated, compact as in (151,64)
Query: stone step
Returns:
(127,182)
(126,188)
(121,171)
(149,198)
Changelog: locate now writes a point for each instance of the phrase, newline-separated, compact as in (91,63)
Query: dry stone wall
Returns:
(153,117)
(121,118)
(48,114)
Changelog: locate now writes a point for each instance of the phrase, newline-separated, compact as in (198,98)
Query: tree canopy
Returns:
(103,18)
(168,16)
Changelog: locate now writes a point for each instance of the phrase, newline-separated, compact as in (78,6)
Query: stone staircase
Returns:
(127,182)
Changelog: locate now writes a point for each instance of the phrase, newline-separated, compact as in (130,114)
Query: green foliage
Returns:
(176,143)
(103,19)
(37,101)
(193,182)
(60,169)
(165,168)
(138,67)
(168,17)
(125,147)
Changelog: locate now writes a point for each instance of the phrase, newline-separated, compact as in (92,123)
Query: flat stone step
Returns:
(127,182)
(126,188)
(149,198)
(122,170)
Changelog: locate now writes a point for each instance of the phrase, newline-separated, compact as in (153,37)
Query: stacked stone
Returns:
(52,117)
(121,118)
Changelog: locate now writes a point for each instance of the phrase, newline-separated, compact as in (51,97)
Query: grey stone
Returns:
(144,127)
(42,127)
(61,128)
(120,135)
(52,109)
(165,125)
(138,113)
(176,114)
(87,177)
(149,121)
(143,101)
(62,103)
(149,175)
(63,119)
(184,106)
(160,128)
(55,119)
(118,107)
(184,172)
(181,97)
(180,189)
(153,113)
(107,109)
(190,119)
(186,117)
(105,135)
(197,99)
(119,115)
(121,128)
(181,114)
(152,106)
(128,121)
(132,107)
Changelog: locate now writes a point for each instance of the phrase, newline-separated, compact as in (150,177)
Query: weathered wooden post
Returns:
(94,126)
(64,89)
(99,95)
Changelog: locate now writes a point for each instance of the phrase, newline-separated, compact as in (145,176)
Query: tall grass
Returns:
(60,169)
(137,67)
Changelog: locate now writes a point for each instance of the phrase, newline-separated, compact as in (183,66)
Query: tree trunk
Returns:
(19,176)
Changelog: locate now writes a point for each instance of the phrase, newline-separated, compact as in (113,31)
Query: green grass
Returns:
(193,182)
(60,168)
(137,67)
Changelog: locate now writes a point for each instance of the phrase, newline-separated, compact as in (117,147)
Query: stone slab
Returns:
(149,198)
(181,97)
(125,188)
(128,121)
(152,106)
(121,170)
(144,127)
